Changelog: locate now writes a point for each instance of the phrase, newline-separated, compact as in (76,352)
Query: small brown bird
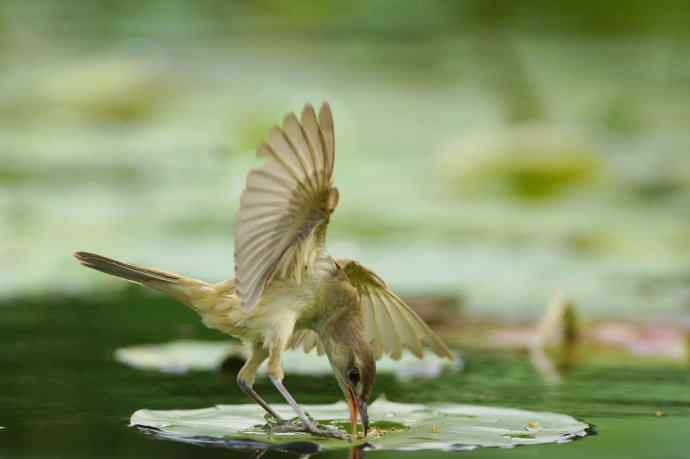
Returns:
(288,292)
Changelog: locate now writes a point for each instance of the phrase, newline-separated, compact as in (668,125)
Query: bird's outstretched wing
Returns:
(390,324)
(286,204)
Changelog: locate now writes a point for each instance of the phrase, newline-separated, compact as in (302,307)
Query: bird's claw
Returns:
(274,420)
(328,433)
(297,425)
(322,430)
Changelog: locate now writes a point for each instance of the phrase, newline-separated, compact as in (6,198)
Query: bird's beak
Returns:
(365,416)
(352,404)
(357,407)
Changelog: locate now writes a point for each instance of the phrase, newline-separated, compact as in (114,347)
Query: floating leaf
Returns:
(527,161)
(176,356)
(395,426)
(184,355)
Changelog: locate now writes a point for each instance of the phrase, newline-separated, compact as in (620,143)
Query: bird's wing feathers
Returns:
(308,340)
(390,324)
(286,204)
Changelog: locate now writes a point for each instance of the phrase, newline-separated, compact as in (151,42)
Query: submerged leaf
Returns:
(395,426)
(184,355)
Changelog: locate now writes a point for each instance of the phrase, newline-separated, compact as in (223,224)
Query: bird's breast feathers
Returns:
(285,300)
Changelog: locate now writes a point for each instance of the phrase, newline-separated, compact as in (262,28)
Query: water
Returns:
(63,394)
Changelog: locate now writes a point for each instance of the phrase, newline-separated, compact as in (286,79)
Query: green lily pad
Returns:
(395,426)
(185,355)
(527,161)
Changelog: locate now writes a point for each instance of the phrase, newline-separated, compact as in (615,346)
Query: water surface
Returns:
(62,394)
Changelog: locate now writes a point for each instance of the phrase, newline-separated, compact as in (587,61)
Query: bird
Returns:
(288,292)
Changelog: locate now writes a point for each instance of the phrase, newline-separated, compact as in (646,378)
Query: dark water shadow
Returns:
(302,449)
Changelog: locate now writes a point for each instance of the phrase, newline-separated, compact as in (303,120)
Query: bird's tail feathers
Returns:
(179,287)
(125,270)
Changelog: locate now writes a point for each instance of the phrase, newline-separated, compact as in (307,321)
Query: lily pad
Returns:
(528,161)
(176,356)
(185,355)
(395,426)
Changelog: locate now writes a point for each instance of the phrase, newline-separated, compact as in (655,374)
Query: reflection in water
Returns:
(357,452)
(557,332)
(301,449)
(544,365)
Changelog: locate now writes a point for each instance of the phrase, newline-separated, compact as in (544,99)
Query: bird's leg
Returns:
(293,403)
(247,375)
(275,374)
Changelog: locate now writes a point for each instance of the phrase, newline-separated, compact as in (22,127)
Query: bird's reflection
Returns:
(356,452)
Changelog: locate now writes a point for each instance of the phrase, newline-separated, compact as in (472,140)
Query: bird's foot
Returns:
(273,420)
(327,431)
(274,425)
(322,430)
(297,425)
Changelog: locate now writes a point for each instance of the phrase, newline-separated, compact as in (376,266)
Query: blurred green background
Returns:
(492,152)
(505,150)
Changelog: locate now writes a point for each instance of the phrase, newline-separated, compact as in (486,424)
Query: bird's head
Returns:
(354,367)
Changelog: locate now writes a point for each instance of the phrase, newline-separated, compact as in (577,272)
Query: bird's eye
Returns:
(353,376)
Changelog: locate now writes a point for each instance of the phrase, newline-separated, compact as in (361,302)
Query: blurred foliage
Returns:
(251,132)
(105,19)
(531,162)
(117,90)
(510,133)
